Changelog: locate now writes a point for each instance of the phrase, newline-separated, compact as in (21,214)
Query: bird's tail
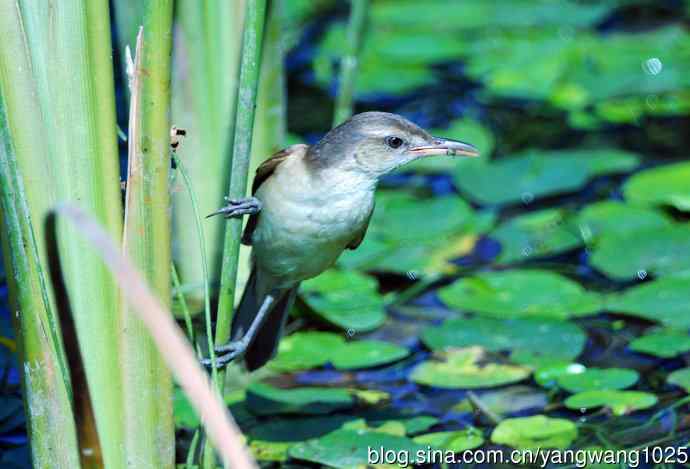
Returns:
(265,344)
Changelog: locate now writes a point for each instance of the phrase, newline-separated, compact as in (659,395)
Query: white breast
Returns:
(307,220)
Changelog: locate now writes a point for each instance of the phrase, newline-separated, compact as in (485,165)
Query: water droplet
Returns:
(350,332)
(653,66)
(583,410)
(412,275)
(642,274)
(527,197)
(526,251)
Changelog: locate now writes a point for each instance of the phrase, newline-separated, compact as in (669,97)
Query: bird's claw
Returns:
(227,353)
(236,208)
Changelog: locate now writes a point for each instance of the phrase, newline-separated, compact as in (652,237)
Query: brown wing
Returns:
(263,172)
(357,240)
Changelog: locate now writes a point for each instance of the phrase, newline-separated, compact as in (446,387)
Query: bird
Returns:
(308,205)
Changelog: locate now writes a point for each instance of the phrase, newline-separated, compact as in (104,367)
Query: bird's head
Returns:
(376,143)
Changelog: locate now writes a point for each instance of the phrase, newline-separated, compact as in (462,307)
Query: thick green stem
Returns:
(147,382)
(348,63)
(45,377)
(242,142)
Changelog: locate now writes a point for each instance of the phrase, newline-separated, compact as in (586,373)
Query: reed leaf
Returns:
(147,383)
(205,64)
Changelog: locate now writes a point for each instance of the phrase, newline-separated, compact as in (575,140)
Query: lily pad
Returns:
(613,217)
(665,185)
(552,339)
(620,402)
(666,300)
(347,449)
(598,379)
(665,343)
(659,251)
(535,235)
(547,376)
(535,174)
(456,441)
(460,369)
(346,299)
(366,353)
(680,378)
(521,294)
(294,429)
(305,350)
(263,399)
(510,400)
(535,432)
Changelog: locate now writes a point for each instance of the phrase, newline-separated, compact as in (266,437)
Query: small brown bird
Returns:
(309,204)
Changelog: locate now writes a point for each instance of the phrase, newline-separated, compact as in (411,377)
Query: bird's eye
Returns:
(394,142)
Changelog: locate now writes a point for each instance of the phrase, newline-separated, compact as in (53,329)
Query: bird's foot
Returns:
(237,208)
(227,353)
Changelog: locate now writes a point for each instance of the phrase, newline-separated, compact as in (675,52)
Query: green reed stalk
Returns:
(45,377)
(348,63)
(244,125)
(73,157)
(205,62)
(149,429)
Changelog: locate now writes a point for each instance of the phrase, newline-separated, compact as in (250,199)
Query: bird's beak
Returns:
(445,146)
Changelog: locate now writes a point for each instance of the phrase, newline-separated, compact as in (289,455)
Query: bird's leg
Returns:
(236,348)
(236,208)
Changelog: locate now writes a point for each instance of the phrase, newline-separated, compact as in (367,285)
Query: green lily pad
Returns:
(598,379)
(665,343)
(534,235)
(535,432)
(263,399)
(393,244)
(659,251)
(412,424)
(347,449)
(666,300)
(521,294)
(620,402)
(508,400)
(460,369)
(535,174)
(665,185)
(305,350)
(275,451)
(612,217)
(465,130)
(547,376)
(346,299)
(680,378)
(366,353)
(552,339)
(295,429)
(456,441)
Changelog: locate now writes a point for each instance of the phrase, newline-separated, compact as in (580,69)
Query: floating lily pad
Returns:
(521,294)
(552,339)
(613,217)
(355,448)
(535,174)
(263,399)
(659,251)
(680,378)
(665,185)
(305,350)
(366,353)
(347,299)
(535,432)
(598,379)
(456,441)
(508,400)
(275,451)
(460,369)
(534,235)
(666,300)
(465,130)
(620,402)
(548,375)
(294,429)
(393,244)
(665,343)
